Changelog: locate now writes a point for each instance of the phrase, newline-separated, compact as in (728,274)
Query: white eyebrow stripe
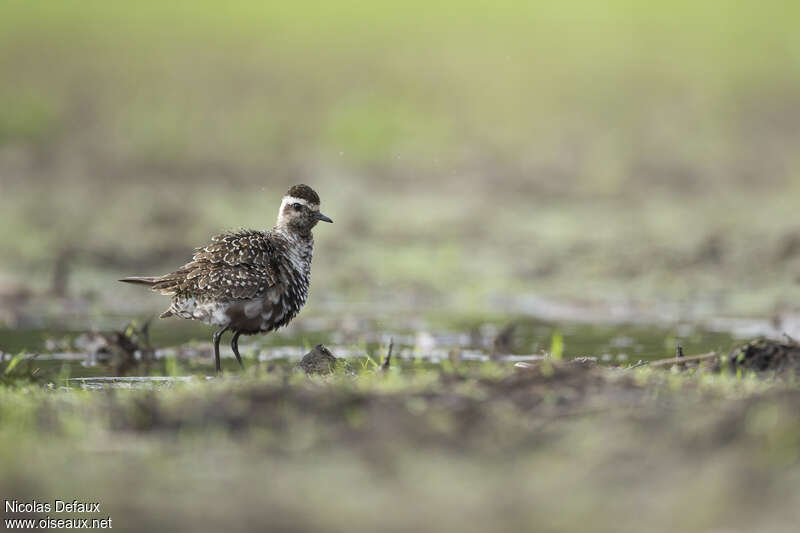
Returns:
(294,200)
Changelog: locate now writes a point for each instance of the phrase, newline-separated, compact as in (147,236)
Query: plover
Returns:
(247,281)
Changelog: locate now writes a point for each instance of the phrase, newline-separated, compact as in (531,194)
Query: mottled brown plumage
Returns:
(237,265)
(247,281)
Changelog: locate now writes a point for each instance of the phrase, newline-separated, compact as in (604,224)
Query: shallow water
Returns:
(184,348)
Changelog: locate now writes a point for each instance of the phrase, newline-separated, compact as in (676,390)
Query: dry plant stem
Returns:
(676,360)
(387,361)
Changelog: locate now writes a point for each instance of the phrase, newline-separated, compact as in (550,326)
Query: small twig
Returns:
(637,365)
(387,361)
(676,360)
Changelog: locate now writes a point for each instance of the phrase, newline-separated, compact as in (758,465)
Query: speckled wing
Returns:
(234,266)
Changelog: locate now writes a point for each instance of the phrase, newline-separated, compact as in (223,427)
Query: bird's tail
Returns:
(141,280)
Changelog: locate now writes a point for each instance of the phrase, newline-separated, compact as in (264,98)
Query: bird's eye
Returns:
(297,207)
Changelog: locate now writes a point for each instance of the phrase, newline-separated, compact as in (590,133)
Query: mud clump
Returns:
(318,361)
(765,355)
(120,350)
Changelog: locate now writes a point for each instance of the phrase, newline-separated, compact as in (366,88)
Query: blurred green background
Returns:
(476,156)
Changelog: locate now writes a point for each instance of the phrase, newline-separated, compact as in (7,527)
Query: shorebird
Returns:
(248,281)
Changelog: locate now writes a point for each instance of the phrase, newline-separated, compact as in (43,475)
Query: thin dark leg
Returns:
(235,347)
(217,337)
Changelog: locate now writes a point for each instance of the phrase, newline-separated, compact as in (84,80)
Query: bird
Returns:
(247,281)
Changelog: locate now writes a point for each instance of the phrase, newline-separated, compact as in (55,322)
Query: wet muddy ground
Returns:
(475,423)
(562,445)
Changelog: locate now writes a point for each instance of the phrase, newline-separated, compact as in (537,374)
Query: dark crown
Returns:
(305,192)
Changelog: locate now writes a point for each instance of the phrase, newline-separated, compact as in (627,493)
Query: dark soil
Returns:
(766,355)
(460,410)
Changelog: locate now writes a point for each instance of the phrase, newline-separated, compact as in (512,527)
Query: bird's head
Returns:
(299,210)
